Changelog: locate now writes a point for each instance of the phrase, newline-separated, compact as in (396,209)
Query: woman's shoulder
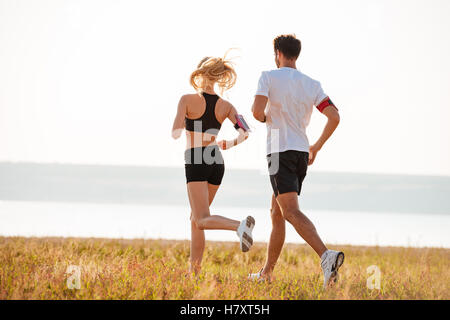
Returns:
(190,99)
(190,96)
(225,103)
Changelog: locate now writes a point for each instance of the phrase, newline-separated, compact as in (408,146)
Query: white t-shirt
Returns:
(292,97)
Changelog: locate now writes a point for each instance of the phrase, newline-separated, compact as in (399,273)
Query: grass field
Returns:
(36,268)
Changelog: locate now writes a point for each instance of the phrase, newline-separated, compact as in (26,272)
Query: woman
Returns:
(202,115)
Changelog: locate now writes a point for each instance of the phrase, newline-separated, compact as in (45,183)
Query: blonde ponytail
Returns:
(214,70)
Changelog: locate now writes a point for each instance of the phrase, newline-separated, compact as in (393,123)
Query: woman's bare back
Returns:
(195,108)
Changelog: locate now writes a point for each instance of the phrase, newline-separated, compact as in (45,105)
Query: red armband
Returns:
(325,103)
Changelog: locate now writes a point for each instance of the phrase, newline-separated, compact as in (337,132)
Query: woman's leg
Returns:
(198,192)
(197,248)
(198,235)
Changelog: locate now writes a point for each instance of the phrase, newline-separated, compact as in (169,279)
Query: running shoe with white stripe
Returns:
(256,276)
(244,233)
(331,262)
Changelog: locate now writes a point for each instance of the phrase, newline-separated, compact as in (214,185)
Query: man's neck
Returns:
(288,64)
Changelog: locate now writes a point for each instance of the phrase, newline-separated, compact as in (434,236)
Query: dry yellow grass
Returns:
(35,268)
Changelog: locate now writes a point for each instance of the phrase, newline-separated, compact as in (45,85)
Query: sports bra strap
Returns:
(208,119)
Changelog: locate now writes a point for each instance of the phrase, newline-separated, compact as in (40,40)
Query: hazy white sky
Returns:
(98,81)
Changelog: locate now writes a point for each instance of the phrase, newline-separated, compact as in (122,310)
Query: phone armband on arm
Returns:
(325,103)
(241,124)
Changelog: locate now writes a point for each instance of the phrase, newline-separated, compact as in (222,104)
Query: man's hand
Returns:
(259,105)
(332,114)
(313,153)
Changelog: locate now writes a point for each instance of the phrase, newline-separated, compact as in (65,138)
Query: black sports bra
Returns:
(208,119)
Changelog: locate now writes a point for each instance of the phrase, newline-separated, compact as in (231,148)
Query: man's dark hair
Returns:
(289,45)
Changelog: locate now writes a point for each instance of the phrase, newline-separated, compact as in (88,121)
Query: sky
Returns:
(98,81)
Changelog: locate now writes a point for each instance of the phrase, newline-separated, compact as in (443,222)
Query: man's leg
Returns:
(288,203)
(276,238)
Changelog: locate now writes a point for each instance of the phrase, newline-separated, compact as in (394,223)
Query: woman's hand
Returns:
(224,145)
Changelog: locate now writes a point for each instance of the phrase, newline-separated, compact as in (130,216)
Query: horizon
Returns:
(176,166)
(148,185)
(143,202)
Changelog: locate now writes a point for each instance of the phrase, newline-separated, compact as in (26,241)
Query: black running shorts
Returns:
(287,170)
(204,164)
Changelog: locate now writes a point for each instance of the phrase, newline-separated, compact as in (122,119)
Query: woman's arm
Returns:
(178,123)
(243,135)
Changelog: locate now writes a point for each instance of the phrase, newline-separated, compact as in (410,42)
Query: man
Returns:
(284,101)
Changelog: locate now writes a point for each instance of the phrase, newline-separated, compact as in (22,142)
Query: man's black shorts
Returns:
(287,170)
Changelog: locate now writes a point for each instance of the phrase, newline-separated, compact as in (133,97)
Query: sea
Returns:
(139,202)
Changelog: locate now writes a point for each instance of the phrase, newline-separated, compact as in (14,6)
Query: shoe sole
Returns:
(337,264)
(250,223)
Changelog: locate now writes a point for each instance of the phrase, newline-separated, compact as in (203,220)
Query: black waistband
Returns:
(203,155)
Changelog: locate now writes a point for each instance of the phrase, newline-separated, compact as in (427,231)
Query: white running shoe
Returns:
(256,276)
(331,262)
(244,233)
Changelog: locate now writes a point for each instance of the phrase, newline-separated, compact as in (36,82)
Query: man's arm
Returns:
(258,108)
(332,114)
